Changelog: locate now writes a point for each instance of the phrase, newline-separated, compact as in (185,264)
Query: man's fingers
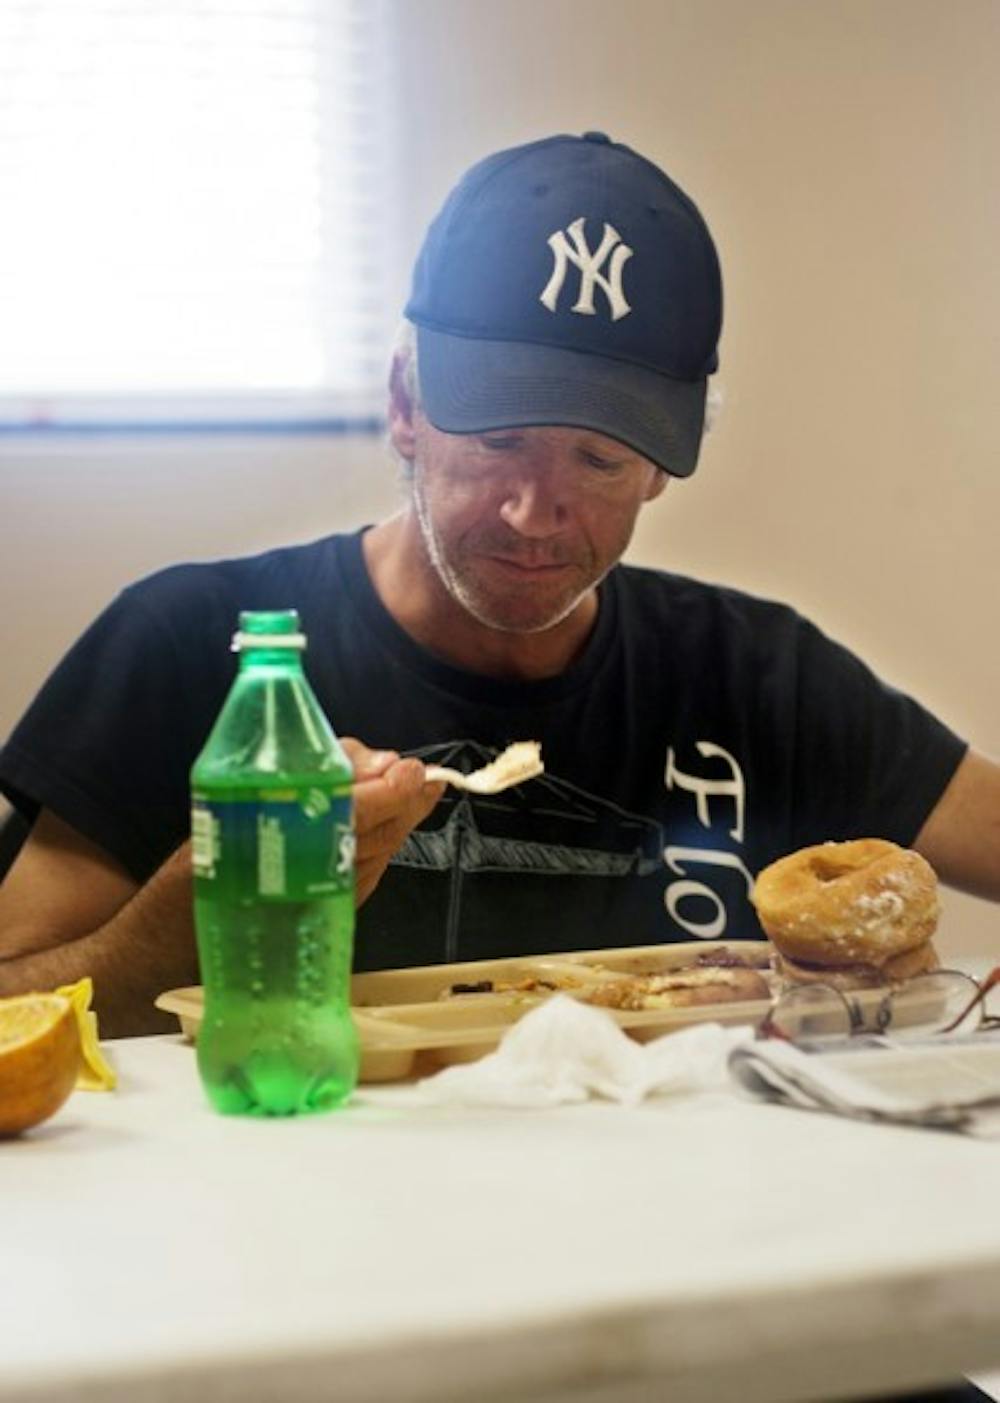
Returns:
(386,793)
(391,796)
(387,809)
(389,802)
(367,764)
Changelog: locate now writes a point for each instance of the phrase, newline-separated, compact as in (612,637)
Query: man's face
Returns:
(520,524)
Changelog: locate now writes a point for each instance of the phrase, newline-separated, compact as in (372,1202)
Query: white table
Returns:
(712,1249)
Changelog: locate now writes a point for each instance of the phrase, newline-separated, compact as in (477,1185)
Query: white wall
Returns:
(845,155)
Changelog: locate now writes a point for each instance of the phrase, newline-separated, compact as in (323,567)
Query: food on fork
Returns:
(520,761)
(857,915)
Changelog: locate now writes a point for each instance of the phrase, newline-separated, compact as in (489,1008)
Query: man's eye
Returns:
(603,465)
(499,443)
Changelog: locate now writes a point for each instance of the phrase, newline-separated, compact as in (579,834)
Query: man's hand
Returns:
(67,908)
(391,797)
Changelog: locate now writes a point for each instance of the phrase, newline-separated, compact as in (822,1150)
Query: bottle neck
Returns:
(279,659)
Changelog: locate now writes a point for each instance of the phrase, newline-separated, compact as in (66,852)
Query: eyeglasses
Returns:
(941,1001)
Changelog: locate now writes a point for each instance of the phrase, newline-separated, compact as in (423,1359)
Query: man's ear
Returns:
(402,412)
(657,484)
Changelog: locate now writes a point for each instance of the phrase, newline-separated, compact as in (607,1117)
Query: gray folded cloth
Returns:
(940,1083)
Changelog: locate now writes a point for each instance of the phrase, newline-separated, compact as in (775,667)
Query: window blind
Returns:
(195,213)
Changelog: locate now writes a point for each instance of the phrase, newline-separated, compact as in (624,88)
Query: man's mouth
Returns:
(530,567)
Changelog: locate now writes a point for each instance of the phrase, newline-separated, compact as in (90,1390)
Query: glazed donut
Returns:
(866,902)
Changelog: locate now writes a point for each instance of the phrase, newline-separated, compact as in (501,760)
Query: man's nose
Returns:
(534,505)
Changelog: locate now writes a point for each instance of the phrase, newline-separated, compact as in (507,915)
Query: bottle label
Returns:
(288,846)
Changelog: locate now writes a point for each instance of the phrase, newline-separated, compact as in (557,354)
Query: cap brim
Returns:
(471,386)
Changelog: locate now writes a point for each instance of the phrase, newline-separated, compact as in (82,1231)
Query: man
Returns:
(567,306)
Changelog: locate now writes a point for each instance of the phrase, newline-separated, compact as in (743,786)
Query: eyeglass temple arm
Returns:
(990,982)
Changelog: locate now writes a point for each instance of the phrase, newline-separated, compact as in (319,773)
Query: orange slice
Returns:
(39,1058)
(96,1073)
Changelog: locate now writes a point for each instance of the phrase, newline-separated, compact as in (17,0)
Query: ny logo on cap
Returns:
(590,265)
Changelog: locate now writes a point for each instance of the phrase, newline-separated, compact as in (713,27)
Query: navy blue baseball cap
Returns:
(570,282)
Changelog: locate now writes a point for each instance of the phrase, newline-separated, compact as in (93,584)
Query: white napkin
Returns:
(566,1051)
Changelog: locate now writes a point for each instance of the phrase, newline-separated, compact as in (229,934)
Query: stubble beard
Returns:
(466,593)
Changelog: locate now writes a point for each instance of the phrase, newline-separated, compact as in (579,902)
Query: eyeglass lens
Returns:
(926,1004)
(812,1013)
(933,1002)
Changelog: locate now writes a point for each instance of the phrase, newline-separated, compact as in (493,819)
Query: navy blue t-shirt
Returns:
(701,734)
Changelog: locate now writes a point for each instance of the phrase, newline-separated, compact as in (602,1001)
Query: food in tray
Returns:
(858,915)
(412,1020)
(681,988)
(530,984)
(519,762)
(721,975)
(754,957)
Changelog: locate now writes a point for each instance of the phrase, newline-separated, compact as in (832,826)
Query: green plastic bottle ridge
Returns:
(272,842)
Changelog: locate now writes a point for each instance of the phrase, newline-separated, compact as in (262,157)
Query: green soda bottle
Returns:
(272,840)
